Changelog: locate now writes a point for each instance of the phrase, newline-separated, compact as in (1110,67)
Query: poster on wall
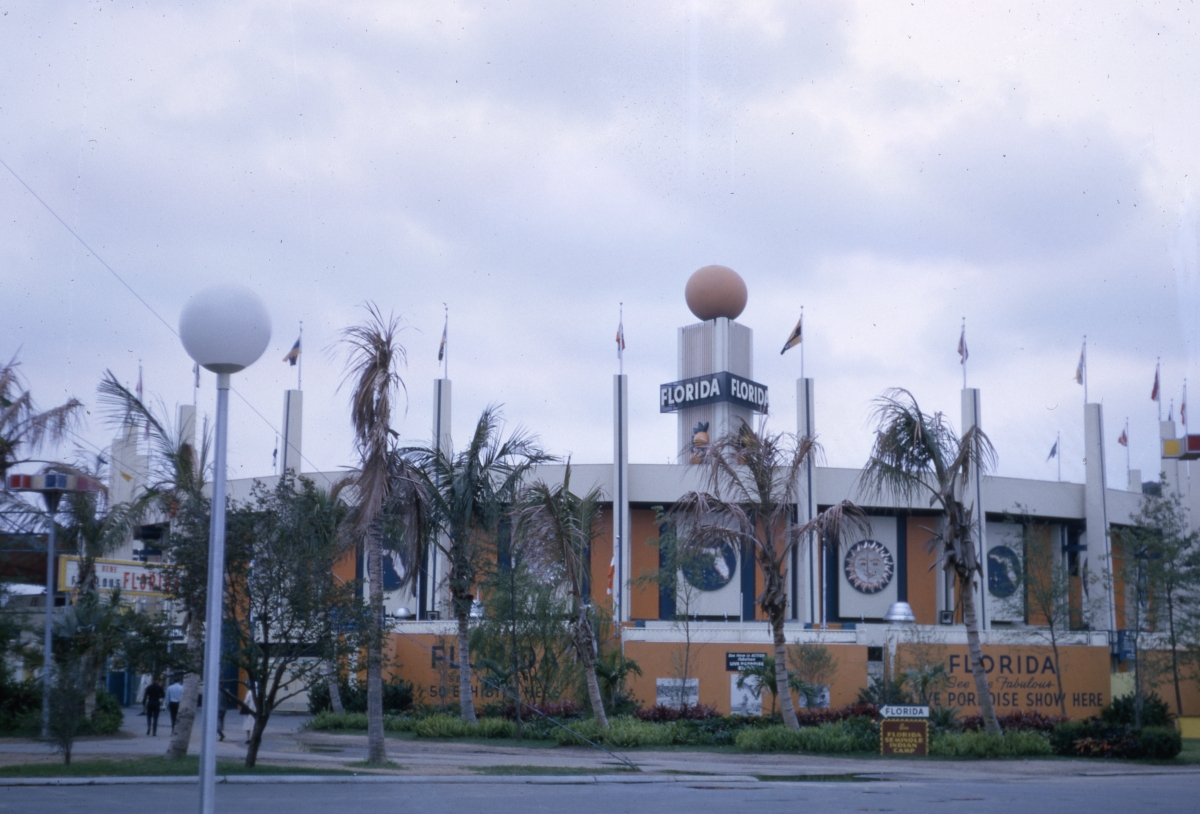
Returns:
(820,702)
(672,692)
(746,699)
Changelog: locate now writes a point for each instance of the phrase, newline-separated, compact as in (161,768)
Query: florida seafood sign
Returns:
(710,389)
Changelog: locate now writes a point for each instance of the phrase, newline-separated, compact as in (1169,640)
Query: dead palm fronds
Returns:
(555,528)
(468,493)
(23,427)
(918,458)
(374,356)
(751,483)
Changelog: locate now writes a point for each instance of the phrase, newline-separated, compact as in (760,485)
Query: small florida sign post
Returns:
(904,731)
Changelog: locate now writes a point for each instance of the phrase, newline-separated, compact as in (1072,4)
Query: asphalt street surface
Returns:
(1094,795)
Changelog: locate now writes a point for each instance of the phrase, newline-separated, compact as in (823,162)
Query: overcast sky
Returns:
(892,168)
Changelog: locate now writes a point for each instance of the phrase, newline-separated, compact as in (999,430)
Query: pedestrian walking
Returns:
(174,696)
(153,698)
(223,703)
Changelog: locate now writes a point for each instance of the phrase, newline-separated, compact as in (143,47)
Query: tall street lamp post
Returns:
(51,486)
(225,329)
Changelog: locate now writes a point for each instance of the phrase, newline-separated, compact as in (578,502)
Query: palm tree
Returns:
(752,486)
(467,495)
(175,494)
(22,425)
(374,355)
(556,528)
(917,457)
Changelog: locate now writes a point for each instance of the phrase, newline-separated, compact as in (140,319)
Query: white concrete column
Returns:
(973,497)
(441,415)
(1098,557)
(293,425)
(806,595)
(436,564)
(620,499)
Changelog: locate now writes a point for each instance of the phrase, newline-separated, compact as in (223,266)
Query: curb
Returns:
(504,780)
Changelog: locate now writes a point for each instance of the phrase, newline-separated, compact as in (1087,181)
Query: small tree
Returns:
(556,528)
(1047,591)
(813,668)
(284,601)
(374,357)
(84,636)
(677,558)
(751,482)
(1161,559)
(468,493)
(919,457)
(178,466)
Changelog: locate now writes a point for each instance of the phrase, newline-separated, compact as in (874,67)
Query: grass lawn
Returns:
(146,767)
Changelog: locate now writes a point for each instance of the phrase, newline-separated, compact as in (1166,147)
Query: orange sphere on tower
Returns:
(716,291)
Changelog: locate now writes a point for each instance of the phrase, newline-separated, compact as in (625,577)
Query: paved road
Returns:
(1094,795)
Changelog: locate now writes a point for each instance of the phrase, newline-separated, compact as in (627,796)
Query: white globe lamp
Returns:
(224,328)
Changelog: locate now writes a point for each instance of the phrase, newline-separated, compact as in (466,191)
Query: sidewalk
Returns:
(284,743)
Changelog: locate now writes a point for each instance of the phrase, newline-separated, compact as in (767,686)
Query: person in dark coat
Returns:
(153,699)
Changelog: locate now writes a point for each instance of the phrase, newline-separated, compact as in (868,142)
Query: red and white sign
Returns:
(133,578)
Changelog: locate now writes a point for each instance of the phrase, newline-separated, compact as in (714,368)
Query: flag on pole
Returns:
(1171,411)
(963,353)
(196,374)
(612,571)
(1154,394)
(138,391)
(1053,451)
(621,336)
(1082,365)
(293,355)
(1183,411)
(442,346)
(1124,439)
(795,337)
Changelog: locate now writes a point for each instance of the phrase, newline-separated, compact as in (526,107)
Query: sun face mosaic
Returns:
(869,566)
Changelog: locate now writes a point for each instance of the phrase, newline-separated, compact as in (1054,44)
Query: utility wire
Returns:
(131,290)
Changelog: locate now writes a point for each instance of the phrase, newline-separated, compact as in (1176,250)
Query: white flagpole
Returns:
(1128,465)
(1085,370)
(1158,386)
(802,343)
(964,347)
(300,359)
(621,343)
(1058,449)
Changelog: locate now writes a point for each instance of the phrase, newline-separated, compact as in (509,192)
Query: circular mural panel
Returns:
(869,566)
(395,569)
(713,568)
(1003,571)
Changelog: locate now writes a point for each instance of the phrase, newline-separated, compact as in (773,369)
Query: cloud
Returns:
(535,164)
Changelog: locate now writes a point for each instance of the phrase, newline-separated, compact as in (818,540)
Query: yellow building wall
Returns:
(923,572)
(643,551)
(707,663)
(1021,678)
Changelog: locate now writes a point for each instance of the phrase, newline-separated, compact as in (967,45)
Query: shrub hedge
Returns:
(1096,738)
(849,735)
(1012,743)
